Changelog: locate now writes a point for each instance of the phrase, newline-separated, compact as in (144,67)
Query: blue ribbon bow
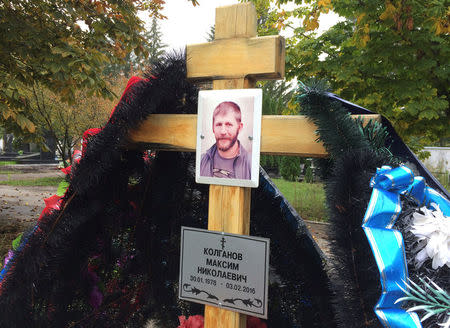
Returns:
(387,244)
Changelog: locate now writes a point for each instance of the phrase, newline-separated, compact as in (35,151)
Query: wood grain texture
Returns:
(234,84)
(259,58)
(219,318)
(229,211)
(235,21)
(234,207)
(229,207)
(280,135)
(237,59)
(176,130)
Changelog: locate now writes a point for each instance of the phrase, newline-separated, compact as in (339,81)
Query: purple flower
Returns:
(96,297)
(8,257)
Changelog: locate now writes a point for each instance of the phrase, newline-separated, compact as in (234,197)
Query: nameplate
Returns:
(225,270)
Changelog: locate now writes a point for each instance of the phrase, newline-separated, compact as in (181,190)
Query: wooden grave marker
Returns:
(236,59)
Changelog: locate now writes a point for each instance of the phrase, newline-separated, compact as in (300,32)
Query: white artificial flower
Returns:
(432,229)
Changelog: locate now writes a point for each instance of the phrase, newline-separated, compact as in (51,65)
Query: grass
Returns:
(444,179)
(7,234)
(49,181)
(3,163)
(8,172)
(308,199)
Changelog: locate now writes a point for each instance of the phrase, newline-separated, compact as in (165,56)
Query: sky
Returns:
(187,24)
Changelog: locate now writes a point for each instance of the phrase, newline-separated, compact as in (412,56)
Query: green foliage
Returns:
(309,176)
(416,145)
(290,168)
(211,34)
(63,45)
(443,142)
(16,242)
(66,123)
(269,20)
(389,56)
(270,162)
(277,96)
(429,298)
(154,45)
(138,62)
(62,187)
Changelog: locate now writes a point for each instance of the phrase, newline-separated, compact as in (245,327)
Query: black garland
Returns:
(355,153)
(110,256)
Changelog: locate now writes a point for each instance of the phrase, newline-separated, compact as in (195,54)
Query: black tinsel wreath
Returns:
(110,256)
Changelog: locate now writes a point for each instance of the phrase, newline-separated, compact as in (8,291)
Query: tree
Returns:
(390,56)
(269,20)
(63,45)
(211,35)
(277,97)
(66,123)
(290,167)
(133,63)
(155,47)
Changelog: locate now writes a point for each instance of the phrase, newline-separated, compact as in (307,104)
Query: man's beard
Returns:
(231,144)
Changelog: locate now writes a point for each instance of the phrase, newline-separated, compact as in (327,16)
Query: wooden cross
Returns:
(234,60)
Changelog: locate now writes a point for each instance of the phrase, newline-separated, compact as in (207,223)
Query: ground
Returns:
(21,206)
(320,233)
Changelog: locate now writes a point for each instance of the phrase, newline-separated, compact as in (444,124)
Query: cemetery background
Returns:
(447,188)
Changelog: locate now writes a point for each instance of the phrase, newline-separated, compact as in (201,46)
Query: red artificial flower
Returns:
(254,322)
(133,80)
(67,170)
(76,157)
(86,135)
(52,203)
(194,321)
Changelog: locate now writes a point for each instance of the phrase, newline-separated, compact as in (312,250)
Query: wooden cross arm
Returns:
(260,57)
(280,134)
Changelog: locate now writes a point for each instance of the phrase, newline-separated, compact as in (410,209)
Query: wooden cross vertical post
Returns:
(234,60)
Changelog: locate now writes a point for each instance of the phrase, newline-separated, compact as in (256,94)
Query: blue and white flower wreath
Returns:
(432,230)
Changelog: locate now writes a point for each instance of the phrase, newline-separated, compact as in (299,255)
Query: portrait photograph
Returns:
(229,137)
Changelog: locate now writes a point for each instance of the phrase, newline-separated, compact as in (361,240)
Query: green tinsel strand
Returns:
(355,152)
(336,128)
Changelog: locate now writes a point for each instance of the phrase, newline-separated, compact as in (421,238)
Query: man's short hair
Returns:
(225,107)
